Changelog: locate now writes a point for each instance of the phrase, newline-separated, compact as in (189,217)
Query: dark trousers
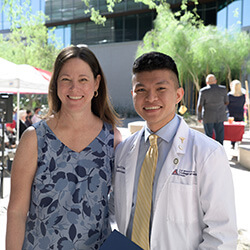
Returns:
(218,129)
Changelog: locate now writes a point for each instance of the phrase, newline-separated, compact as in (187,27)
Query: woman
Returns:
(236,102)
(61,174)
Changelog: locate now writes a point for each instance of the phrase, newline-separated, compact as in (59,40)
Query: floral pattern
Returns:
(69,195)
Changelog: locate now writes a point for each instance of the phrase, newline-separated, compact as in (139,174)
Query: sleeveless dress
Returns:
(69,196)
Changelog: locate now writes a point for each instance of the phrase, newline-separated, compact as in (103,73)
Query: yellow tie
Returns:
(140,231)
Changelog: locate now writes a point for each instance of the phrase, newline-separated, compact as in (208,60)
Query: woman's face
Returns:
(76,85)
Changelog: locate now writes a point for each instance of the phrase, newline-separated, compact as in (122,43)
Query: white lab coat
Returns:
(194,206)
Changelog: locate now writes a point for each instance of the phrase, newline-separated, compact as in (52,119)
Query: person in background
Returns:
(11,130)
(36,117)
(11,127)
(22,124)
(236,104)
(213,99)
(28,121)
(5,139)
(188,201)
(61,174)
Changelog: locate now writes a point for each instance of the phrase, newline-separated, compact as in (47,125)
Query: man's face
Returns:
(155,95)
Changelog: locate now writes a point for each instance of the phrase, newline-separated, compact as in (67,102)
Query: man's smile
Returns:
(152,108)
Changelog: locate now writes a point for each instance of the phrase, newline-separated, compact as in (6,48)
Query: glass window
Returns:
(56,10)
(118,27)
(106,33)
(210,14)
(67,10)
(91,32)
(131,5)
(103,6)
(48,9)
(79,33)
(35,6)
(200,11)
(145,24)
(97,34)
(222,18)
(72,35)
(79,8)
(43,5)
(246,16)
(234,14)
(67,36)
(59,33)
(130,28)
(93,3)
(144,6)
(120,6)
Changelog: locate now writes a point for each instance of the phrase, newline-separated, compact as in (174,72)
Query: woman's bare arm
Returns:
(23,170)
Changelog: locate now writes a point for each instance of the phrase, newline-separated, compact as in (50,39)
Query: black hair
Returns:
(154,61)
(36,108)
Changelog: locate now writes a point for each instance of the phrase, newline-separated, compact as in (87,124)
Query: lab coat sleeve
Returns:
(217,202)
(112,214)
(112,219)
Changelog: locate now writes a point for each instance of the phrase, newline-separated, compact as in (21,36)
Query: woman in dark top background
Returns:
(236,102)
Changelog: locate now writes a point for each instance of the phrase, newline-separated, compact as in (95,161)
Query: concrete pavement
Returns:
(241,178)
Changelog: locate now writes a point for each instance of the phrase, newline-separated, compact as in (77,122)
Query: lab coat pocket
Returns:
(182,203)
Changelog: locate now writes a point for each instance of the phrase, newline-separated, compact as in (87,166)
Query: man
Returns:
(28,121)
(35,118)
(192,203)
(214,99)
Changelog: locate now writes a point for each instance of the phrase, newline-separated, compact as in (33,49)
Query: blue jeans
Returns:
(218,129)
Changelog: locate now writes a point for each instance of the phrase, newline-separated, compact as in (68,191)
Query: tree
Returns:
(196,48)
(98,18)
(29,42)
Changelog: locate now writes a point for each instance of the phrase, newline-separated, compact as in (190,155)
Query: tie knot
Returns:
(153,139)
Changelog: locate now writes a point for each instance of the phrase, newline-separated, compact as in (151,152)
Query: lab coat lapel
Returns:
(131,161)
(174,158)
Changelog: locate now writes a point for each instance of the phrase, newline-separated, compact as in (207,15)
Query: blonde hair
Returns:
(235,86)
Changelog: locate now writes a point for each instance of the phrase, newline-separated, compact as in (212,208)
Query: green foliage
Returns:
(175,35)
(30,41)
(96,17)
(197,49)
(30,101)
(100,19)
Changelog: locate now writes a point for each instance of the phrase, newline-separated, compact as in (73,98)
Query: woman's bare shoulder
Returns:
(28,140)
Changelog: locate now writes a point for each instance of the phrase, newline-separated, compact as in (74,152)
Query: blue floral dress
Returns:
(69,196)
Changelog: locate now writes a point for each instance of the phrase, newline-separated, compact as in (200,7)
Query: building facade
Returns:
(129,21)
(115,43)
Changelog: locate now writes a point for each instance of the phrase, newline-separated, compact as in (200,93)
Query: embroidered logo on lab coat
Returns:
(184,173)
